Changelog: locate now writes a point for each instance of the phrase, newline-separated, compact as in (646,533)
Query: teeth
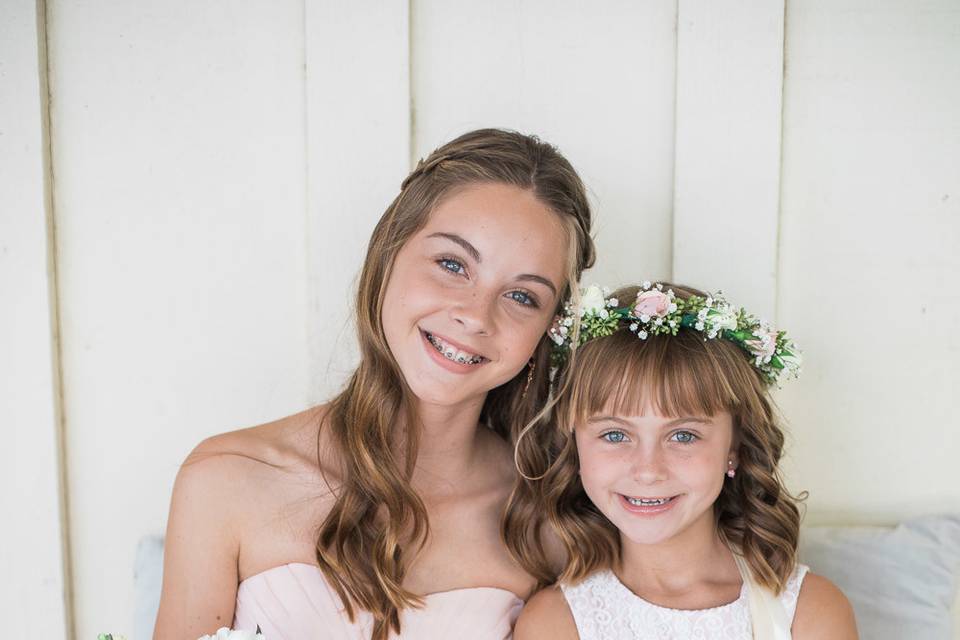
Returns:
(452,353)
(653,502)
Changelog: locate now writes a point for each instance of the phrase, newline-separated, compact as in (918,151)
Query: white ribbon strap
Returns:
(767,614)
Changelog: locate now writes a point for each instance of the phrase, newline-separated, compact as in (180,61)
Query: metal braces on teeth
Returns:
(450,354)
(648,503)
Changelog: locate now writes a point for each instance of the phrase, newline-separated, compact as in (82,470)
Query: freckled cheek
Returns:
(601,470)
(587,461)
(523,335)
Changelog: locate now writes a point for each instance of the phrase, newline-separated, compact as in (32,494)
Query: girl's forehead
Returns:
(502,225)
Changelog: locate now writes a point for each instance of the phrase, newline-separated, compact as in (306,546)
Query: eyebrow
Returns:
(607,419)
(531,277)
(460,240)
(475,254)
(672,423)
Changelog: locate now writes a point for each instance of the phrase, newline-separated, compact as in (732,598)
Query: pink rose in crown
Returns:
(653,303)
(764,345)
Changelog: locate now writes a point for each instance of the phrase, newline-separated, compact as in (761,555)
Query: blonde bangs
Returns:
(680,375)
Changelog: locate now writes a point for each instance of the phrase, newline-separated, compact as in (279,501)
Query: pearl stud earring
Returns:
(730,470)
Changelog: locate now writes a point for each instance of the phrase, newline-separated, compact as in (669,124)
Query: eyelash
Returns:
(443,262)
(692,437)
(529,300)
(622,435)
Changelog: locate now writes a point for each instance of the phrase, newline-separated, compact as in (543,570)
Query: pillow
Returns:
(147,581)
(902,582)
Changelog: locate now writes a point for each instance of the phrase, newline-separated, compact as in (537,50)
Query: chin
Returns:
(440,393)
(648,537)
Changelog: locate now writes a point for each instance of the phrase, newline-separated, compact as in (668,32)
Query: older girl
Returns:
(378,512)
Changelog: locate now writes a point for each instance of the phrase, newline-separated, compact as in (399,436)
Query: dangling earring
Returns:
(526,387)
(730,470)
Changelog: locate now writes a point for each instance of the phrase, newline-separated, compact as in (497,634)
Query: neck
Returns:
(449,441)
(691,557)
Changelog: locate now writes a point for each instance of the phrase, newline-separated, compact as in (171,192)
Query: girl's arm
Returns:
(546,616)
(201,548)
(823,612)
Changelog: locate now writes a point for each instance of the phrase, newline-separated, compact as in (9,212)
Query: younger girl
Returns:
(663,487)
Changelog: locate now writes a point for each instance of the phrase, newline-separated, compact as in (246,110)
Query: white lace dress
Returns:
(604,608)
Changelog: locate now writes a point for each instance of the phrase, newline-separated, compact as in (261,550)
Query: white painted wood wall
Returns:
(215,169)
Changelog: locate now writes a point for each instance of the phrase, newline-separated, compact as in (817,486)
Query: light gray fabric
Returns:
(147,580)
(902,581)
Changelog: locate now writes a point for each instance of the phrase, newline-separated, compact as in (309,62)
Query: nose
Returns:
(648,465)
(474,310)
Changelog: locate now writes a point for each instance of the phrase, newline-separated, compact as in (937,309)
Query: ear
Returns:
(733,456)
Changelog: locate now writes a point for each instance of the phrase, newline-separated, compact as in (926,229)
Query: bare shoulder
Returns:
(546,615)
(823,612)
(209,519)
(216,477)
(282,443)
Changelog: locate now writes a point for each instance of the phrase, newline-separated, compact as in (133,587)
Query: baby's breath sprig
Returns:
(658,311)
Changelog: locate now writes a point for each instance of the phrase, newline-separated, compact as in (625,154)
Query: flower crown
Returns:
(658,311)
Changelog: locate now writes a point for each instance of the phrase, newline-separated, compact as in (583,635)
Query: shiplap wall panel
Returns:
(870,255)
(221,165)
(32,602)
(597,82)
(358,151)
(178,150)
(727,181)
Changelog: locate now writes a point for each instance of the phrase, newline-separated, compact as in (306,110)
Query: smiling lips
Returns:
(453,352)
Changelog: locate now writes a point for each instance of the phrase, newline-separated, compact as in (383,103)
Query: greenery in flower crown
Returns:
(658,311)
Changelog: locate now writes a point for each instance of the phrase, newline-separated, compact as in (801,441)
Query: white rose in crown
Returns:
(724,318)
(592,300)
(224,633)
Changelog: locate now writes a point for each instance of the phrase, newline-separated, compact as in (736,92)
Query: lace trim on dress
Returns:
(604,608)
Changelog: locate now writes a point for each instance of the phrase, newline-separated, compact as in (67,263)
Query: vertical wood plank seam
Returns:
(778,235)
(411,98)
(43,65)
(307,238)
(676,128)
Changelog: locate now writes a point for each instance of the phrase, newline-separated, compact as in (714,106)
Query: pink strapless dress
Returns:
(294,602)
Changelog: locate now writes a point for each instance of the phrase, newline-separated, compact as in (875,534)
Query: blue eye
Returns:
(524,298)
(614,436)
(684,437)
(451,265)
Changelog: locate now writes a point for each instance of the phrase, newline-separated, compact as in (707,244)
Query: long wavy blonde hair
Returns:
(377,518)
(678,375)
